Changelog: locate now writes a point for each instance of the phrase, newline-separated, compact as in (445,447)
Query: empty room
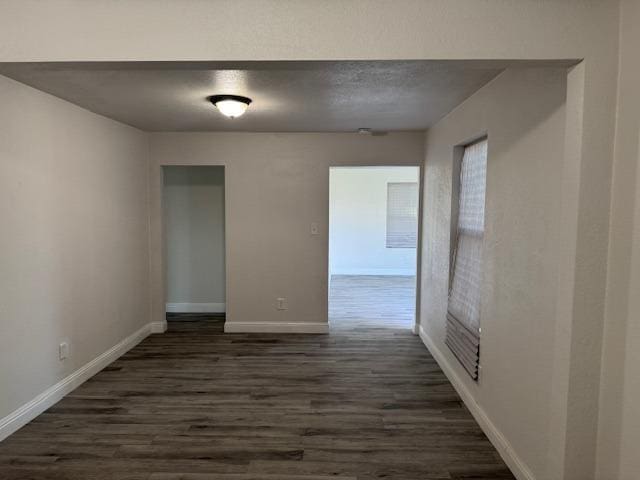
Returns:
(285,240)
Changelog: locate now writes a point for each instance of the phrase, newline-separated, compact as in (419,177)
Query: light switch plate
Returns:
(63,350)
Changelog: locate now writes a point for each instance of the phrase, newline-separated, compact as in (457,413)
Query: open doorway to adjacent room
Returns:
(373,232)
(194,232)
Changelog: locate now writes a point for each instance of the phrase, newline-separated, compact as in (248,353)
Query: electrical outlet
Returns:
(63,350)
(281,303)
(314,229)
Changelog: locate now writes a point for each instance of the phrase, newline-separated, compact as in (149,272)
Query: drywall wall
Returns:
(193,199)
(358,222)
(363,29)
(523,114)
(619,425)
(74,242)
(629,461)
(276,186)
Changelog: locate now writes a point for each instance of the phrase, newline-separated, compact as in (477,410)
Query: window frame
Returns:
(458,158)
(415,217)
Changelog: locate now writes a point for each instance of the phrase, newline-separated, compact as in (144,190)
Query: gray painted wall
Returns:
(619,433)
(277,185)
(523,114)
(74,248)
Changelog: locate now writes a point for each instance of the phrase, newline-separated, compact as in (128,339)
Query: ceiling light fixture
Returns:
(231,106)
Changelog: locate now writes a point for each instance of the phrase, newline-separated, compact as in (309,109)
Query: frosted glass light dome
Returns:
(231,106)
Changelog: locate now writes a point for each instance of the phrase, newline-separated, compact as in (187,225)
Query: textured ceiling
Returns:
(287,96)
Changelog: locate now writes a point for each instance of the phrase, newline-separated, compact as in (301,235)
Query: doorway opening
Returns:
(194,232)
(373,232)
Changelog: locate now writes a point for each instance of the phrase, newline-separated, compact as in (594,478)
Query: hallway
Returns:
(198,404)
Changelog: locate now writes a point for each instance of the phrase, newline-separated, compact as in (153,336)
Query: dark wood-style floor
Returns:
(366,402)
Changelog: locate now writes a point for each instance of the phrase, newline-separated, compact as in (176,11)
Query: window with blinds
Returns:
(463,312)
(402,215)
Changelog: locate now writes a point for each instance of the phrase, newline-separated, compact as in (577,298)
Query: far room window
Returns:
(402,215)
(463,312)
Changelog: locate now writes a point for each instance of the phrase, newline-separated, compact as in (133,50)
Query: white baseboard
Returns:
(402,272)
(264,327)
(195,307)
(158,327)
(50,396)
(502,445)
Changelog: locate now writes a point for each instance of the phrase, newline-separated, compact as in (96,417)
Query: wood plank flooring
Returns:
(197,404)
(372,301)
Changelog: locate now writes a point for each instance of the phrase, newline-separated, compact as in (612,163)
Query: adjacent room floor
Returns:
(372,301)
(197,404)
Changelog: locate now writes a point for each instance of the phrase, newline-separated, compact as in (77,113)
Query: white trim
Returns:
(30,410)
(404,272)
(265,327)
(158,327)
(506,451)
(195,307)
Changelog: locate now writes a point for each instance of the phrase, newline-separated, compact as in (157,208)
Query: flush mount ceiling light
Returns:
(231,106)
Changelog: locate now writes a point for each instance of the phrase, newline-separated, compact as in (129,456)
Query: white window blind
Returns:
(402,215)
(463,313)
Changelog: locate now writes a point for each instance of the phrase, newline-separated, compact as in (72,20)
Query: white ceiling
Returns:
(287,96)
